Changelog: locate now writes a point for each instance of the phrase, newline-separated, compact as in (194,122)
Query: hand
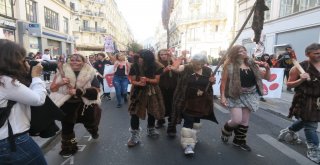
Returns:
(65,81)
(36,70)
(212,79)
(72,91)
(305,76)
(223,101)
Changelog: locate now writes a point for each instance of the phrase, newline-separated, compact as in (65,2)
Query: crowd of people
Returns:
(164,89)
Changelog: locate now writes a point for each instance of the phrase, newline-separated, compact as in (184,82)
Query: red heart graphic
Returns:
(109,78)
(274,86)
(272,77)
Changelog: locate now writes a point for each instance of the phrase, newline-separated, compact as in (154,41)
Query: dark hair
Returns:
(312,47)
(288,47)
(12,61)
(101,54)
(149,66)
(268,61)
(46,50)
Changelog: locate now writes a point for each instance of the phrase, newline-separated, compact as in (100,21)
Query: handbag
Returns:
(43,119)
(198,104)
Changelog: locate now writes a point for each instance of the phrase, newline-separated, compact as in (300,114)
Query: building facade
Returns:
(288,22)
(94,21)
(7,20)
(44,25)
(202,25)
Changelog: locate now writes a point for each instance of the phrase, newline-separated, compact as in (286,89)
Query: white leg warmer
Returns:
(188,137)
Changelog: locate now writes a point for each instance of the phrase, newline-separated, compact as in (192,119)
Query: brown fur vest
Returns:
(233,85)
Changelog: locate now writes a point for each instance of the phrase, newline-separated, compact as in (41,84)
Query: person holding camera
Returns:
(17,147)
(46,57)
(75,89)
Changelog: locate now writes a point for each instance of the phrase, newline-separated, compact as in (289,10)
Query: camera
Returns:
(47,65)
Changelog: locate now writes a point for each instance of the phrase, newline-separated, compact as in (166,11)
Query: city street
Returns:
(111,149)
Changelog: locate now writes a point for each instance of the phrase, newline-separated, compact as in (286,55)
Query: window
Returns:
(288,7)
(6,8)
(51,19)
(65,25)
(85,24)
(267,13)
(31,11)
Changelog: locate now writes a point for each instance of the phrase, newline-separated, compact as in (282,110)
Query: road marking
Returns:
(70,159)
(286,150)
(89,138)
(220,108)
(81,147)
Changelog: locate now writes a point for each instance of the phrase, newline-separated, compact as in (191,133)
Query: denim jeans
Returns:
(120,84)
(28,152)
(310,130)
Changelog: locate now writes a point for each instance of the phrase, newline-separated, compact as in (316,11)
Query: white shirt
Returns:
(25,97)
(46,57)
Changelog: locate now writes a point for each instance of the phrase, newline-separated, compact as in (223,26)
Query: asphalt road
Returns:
(111,149)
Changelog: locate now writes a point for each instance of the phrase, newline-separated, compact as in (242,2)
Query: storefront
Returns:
(7,28)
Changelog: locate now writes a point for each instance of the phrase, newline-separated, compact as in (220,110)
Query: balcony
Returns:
(96,1)
(202,18)
(92,29)
(91,13)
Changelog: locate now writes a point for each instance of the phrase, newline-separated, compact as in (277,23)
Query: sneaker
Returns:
(152,132)
(263,99)
(188,151)
(132,143)
(118,105)
(47,81)
(243,146)
(312,154)
(95,136)
(108,97)
(160,123)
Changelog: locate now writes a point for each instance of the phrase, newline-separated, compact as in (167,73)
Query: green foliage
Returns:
(134,46)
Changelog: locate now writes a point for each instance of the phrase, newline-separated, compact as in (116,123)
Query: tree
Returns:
(134,46)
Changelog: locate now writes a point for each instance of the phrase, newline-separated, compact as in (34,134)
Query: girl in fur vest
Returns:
(75,89)
(241,85)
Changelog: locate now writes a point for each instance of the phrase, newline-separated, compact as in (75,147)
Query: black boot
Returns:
(171,130)
(226,132)
(68,145)
(125,98)
(239,140)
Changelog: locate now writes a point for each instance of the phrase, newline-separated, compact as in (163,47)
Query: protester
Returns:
(241,85)
(193,99)
(305,104)
(46,57)
(99,66)
(265,58)
(285,62)
(145,96)
(120,79)
(75,89)
(17,147)
(167,83)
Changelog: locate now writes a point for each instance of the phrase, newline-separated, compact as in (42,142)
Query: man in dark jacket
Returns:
(99,66)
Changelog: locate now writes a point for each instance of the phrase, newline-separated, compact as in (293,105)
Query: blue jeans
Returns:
(28,152)
(310,130)
(120,84)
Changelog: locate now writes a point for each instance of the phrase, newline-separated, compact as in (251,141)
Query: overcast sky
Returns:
(143,16)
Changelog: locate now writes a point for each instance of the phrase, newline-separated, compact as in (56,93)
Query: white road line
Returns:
(220,108)
(70,160)
(301,159)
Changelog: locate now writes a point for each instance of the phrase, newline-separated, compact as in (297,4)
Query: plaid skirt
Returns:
(249,98)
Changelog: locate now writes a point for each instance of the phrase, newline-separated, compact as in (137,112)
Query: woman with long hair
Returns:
(167,83)
(241,85)
(145,95)
(18,91)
